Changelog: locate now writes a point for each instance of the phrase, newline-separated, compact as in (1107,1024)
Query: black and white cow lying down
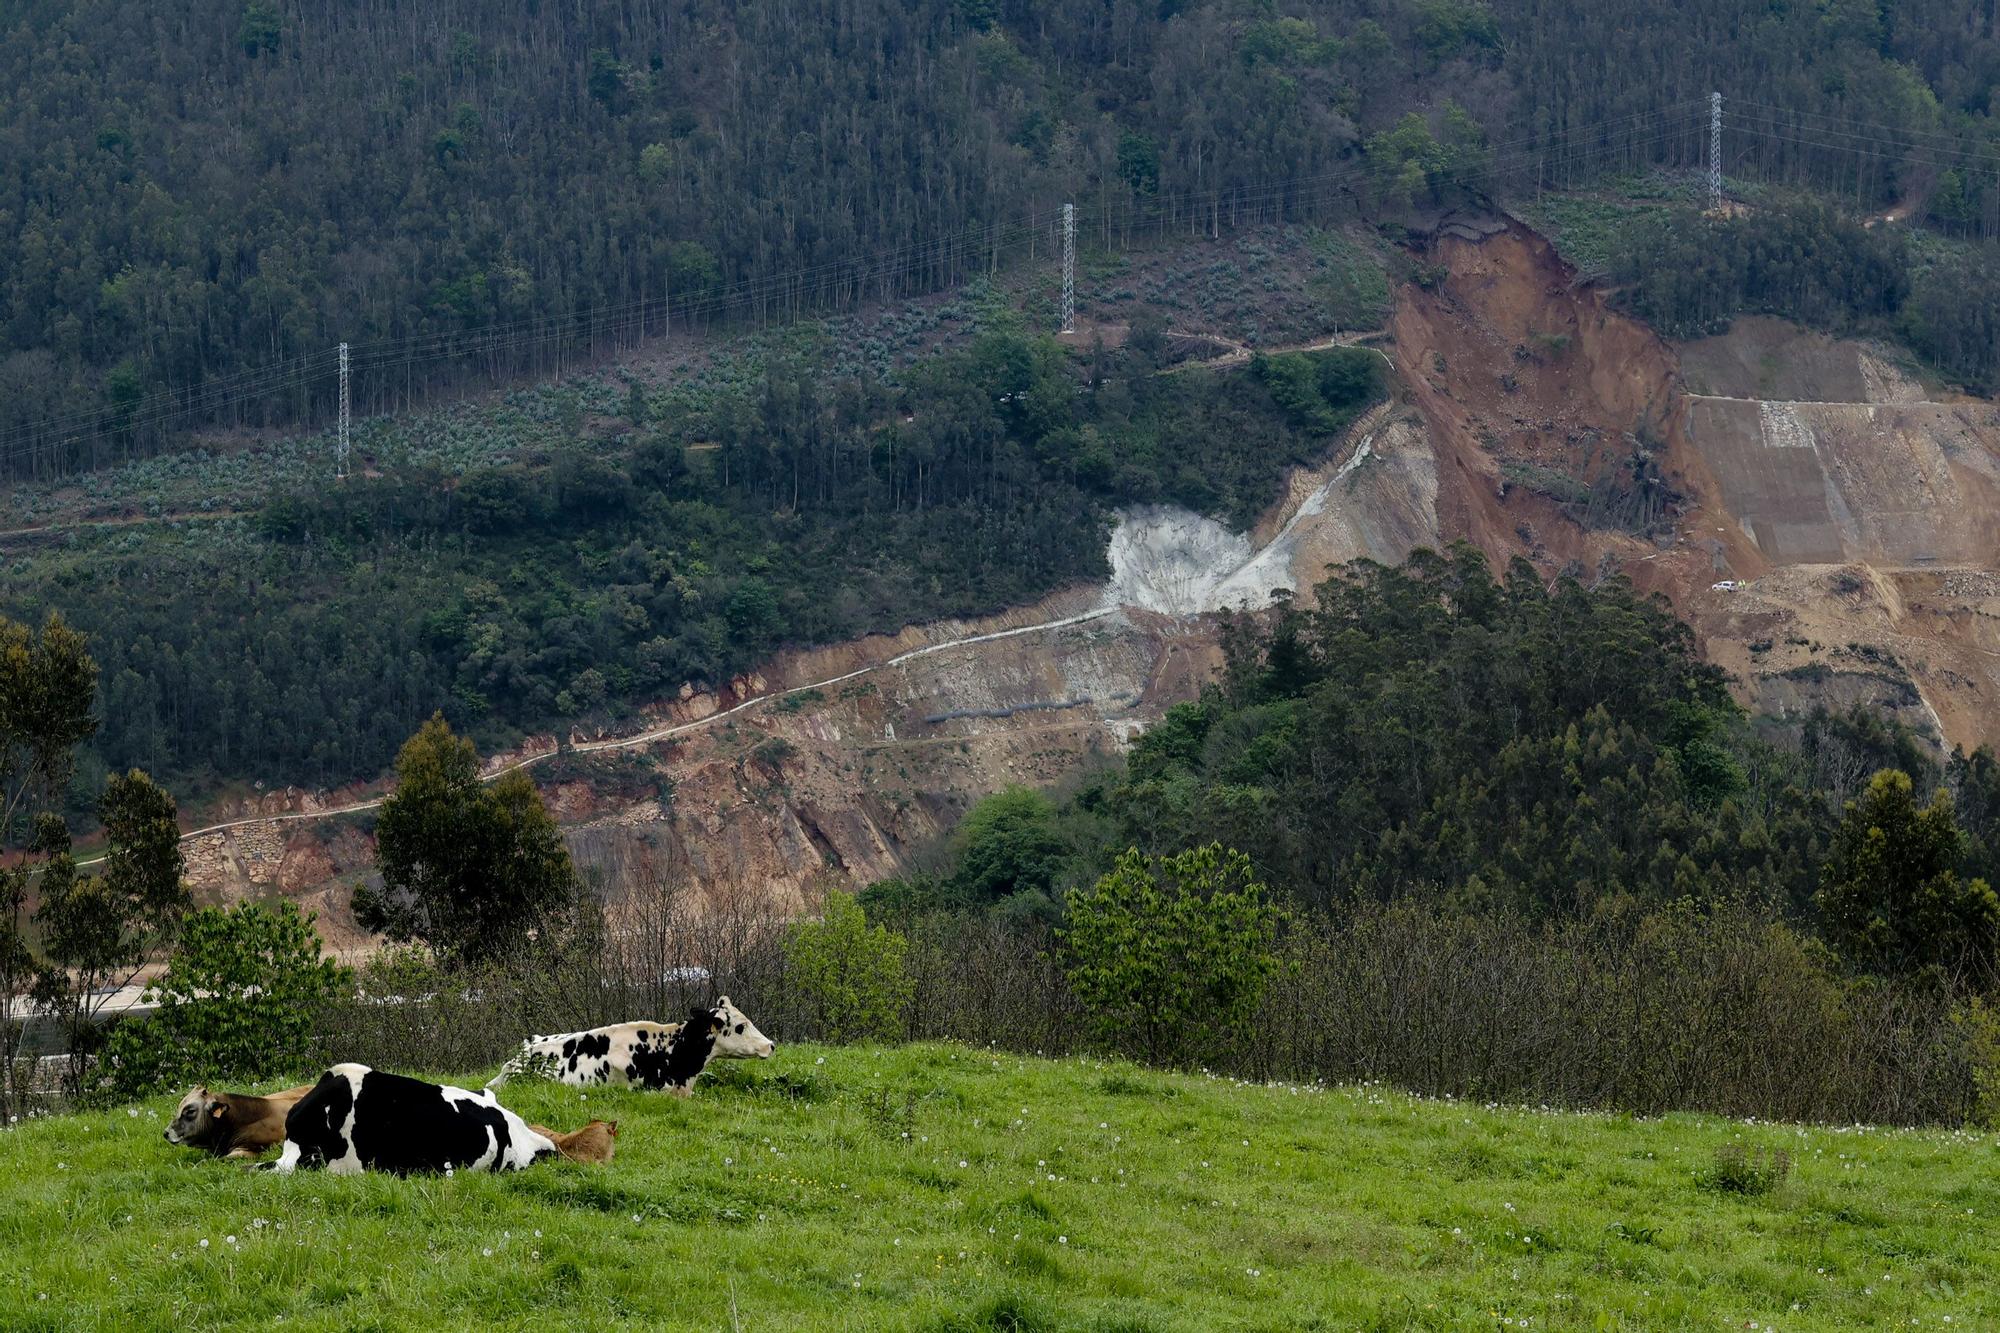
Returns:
(360,1119)
(644,1055)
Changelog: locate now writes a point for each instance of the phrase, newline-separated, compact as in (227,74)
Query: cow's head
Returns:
(595,1142)
(201,1117)
(738,1038)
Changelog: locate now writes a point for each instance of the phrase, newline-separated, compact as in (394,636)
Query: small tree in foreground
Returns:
(48,684)
(850,977)
(468,869)
(239,1000)
(98,931)
(1170,955)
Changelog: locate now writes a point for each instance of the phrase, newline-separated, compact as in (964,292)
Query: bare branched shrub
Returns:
(1720,1010)
(1681,1010)
(986,981)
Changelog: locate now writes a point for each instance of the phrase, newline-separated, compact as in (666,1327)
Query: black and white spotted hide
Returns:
(669,1056)
(360,1119)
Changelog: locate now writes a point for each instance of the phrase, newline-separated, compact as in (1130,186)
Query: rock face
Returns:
(1375,498)
(1836,530)
(1854,517)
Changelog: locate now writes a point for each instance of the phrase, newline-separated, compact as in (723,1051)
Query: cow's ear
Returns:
(701,1018)
(722,1003)
(612,1127)
(219,1110)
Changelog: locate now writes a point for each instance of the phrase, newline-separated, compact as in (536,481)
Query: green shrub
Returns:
(1978,1025)
(1008,844)
(239,1000)
(1745,1169)
(849,978)
(1170,955)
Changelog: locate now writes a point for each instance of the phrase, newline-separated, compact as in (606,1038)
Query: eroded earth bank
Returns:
(1829,524)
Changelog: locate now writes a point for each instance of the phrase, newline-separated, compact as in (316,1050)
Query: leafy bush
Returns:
(1319,393)
(850,978)
(240,1000)
(1978,1025)
(1718,1010)
(1170,955)
(1008,844)
(1746,1169)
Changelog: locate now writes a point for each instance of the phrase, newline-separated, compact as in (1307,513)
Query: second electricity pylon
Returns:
(1715,152)
(340,447)
(1069,269)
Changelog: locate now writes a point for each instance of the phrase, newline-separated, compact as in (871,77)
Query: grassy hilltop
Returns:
(944,1187)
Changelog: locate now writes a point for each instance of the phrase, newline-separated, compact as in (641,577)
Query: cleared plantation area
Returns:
(943,1187)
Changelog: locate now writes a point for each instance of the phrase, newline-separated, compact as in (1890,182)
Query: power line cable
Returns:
(983,239)
(1948,139)
(1897,155)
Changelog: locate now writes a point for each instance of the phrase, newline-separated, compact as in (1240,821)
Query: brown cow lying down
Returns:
(233,1124)
(595,1142)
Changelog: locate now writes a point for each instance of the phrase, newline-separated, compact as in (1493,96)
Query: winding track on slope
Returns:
(1239,355)
(664,732)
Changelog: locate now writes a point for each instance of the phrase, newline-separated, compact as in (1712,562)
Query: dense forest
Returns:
(1482,743)
(198,201)
(303,644)
(1688,274)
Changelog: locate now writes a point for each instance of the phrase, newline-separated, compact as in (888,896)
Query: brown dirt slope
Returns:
(1857,517)
(848,780)
(1853,517)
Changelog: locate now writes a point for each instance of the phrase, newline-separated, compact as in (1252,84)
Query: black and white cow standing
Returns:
(666,1056)
(360,1119)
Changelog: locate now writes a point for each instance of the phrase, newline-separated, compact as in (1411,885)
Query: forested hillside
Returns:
(198,201)
(559,558)
(1797,256)
(1436,733)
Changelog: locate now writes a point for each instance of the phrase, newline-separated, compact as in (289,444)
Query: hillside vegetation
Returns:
(1437,731)
(944,1187)
(557,557)
(201,201)
(1790,254)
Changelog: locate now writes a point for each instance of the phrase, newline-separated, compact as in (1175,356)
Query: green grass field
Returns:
(941,1187)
